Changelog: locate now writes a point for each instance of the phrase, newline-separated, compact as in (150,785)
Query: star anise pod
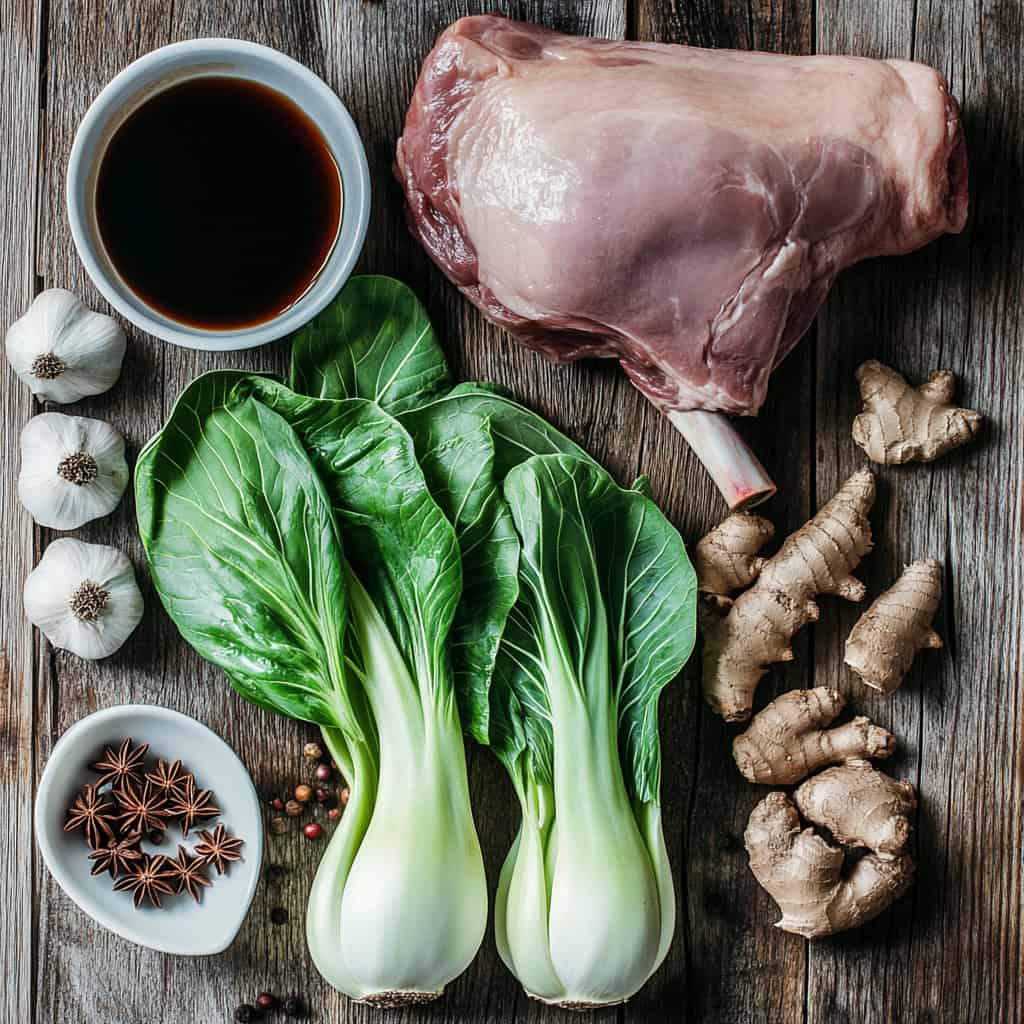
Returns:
(169,777)
(189,874)
(218,848)
(93,813)
(126,764)
(142,809)
(192,806)
(149,878)
(117,856)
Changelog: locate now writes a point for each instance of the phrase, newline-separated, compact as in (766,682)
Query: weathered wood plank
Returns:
(19,133)
(952,949)
(729,963)
(19,137)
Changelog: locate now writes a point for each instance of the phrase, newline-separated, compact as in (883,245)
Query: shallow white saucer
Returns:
(182,926)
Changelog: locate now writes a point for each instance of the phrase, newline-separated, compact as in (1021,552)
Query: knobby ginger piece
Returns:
(885,639)
(743,637)
(726,558)
(860,806)
(904,424)
(790,738)
(808,879)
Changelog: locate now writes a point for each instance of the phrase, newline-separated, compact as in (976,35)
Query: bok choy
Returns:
(306,557)
(585,626)
(586,909)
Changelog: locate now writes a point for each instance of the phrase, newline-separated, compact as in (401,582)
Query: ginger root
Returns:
(789,739)
(860,806)
(743,637)
(726,558)
(885,639)
(904,424)
(805,875)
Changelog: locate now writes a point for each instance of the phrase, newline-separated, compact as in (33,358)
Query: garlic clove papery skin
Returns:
(63,350)
(73,470)
(84,598)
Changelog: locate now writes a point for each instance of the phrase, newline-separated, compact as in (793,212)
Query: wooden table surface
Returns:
(951,951)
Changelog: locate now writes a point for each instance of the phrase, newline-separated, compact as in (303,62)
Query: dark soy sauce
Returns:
(218,202)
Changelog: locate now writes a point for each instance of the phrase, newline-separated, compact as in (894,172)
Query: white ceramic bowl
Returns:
(233,58)
(181,926)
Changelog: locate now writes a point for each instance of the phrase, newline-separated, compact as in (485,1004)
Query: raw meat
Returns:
(681,210)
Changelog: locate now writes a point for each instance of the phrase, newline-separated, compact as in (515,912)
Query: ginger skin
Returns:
(860,806)
(805,875)
(790,738)
(904,424)
(726,558)
(743,637)
(885,639)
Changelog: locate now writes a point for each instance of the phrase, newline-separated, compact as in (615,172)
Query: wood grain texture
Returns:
(19,138)
(729,964)
(952,950)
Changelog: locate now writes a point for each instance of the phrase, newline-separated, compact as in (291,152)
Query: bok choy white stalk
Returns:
(305,556)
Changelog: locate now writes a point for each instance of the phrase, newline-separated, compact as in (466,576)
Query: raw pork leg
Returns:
(681,210)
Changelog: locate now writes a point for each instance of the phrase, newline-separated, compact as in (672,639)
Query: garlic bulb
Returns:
(83,597)
(73,470)
(64,351)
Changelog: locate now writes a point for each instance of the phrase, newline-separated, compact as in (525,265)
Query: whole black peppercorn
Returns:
(275,873)
(246,1014)
(278,915)
(294,1007)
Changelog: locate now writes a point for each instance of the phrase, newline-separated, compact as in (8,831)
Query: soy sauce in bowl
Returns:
(218,202)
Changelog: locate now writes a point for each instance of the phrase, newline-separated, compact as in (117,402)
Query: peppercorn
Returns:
(293,808)
(312,830)
(277,804)
(321,795)
(278,826)
(274,874)
(155,836)
(312,752)
(278,915)
(323,772)
(343,795)
(266,1001)
(303,793)
(246,1014)
(334,813)
(294,1007)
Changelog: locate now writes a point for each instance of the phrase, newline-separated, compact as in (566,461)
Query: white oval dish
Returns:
(179,62)
(182,926)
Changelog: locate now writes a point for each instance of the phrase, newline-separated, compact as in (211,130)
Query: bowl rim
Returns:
(355,209)
(215,942)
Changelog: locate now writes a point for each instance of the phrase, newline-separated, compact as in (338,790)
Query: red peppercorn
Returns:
(266,1001)
(323,772)
(277,803)
(334,813)
(312,830)
(321,795)
(344,795)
